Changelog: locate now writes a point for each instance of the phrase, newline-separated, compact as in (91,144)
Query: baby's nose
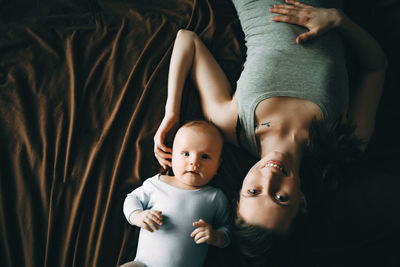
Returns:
(195,163)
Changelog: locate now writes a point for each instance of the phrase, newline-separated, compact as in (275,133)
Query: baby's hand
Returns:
(203,233)
(147,219)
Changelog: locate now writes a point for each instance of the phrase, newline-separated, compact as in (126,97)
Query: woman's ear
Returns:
(303,205)
(220,161)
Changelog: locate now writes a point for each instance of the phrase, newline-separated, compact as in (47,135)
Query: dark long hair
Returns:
(256,243)
(330,159)
(260,246)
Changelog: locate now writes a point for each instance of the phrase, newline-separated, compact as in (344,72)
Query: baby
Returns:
(179,215)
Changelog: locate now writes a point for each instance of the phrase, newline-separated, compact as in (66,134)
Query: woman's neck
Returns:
(289,142)
(285,138)
(282,125)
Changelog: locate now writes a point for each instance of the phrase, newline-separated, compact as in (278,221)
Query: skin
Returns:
(274,194)
(195,161)
(196,157)
(290,117)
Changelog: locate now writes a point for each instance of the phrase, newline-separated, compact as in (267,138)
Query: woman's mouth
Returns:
(275,164)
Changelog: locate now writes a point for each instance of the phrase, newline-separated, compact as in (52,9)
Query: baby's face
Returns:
(196,155)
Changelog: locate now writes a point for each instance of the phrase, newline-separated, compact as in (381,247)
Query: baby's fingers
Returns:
(202,240)
(156,216)
(196,231)
(201,237)
(150,222)
(146,226)
(200,223)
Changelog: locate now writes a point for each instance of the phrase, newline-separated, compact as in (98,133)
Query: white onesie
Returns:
(171,245)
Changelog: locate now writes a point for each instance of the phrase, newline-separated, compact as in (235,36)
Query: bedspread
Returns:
(83,86)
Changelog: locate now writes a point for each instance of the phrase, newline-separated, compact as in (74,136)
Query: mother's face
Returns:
(270,196)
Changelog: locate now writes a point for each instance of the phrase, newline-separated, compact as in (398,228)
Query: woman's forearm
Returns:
(180,65)
(191,57)
(371,62)
(366,49)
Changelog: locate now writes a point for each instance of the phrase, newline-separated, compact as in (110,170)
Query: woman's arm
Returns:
(368,88)
(369,56)
(190,55)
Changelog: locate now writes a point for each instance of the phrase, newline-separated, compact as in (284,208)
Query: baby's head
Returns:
(196,153)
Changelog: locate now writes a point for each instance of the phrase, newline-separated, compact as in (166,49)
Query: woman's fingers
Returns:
(282,9)
(284,6)
(289,15)
(164,162)
(288,19)
(304,37)
(295,3)
(159,144)
(316,20)
(164,158)
(162,153)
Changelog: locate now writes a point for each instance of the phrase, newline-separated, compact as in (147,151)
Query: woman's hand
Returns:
(163,153)
(316,20)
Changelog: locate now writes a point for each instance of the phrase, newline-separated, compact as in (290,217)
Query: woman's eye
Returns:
(281,198)
(252,191)
(205,156)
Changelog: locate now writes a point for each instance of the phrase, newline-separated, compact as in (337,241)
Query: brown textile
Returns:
(82,92)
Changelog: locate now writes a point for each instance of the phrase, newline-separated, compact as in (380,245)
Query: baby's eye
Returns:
(281,198)
(252,191)
(185,153)
(205,156)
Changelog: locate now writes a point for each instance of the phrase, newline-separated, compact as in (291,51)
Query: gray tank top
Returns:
(277,66)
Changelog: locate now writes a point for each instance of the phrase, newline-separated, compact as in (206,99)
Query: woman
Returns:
(289,81)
